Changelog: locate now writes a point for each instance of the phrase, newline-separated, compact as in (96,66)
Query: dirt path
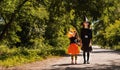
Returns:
(101,59)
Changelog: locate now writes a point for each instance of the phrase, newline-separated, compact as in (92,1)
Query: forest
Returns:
(33,30)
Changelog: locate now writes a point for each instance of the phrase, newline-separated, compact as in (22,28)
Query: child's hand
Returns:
(90,44)
(81,44)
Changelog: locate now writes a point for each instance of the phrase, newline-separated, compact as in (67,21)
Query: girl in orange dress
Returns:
(73,48)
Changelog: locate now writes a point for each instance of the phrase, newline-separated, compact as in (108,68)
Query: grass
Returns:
(17,56)
(117,47)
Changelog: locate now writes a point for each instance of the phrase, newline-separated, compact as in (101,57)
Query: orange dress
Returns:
(73,48)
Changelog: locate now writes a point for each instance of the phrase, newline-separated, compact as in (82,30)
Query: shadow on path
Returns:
(98,50)
(112,65)
(67,64)
(96,67)
(106,52)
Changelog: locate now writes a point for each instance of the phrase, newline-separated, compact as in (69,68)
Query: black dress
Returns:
(73,40)
(86,35)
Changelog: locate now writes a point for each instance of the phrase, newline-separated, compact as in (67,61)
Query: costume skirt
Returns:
(73,49)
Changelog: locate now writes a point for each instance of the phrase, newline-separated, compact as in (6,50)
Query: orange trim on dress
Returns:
(73,49)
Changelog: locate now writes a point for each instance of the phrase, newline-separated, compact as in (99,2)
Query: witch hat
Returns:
(85,19)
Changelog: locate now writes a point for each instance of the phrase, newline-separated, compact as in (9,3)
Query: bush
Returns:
(116,47)
(16,56)
(58,52)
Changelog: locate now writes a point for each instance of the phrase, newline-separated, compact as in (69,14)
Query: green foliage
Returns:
(112,33)
(106,32)
(38,27)
(17,56)
(116,47)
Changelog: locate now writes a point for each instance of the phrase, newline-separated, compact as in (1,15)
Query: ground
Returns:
(100,59)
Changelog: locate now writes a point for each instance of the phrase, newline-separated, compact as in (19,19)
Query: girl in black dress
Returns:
(86,40)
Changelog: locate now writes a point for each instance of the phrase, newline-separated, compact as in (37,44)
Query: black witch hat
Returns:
(85,19)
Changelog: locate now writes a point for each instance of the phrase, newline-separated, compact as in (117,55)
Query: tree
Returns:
(12,13)
(26,21)
(112,34)
(109,14)
(48,21)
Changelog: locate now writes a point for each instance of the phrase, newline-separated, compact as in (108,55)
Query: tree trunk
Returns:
(13,16)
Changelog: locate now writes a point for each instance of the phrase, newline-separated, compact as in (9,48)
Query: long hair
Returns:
(77,36)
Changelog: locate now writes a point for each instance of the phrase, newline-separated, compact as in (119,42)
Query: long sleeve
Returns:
(90,34)
(81,34)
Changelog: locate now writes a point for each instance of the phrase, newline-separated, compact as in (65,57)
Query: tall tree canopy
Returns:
(33,22)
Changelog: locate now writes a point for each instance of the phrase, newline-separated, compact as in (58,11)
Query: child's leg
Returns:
(84,57)
(88,54)
(75,59)
(72,59)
